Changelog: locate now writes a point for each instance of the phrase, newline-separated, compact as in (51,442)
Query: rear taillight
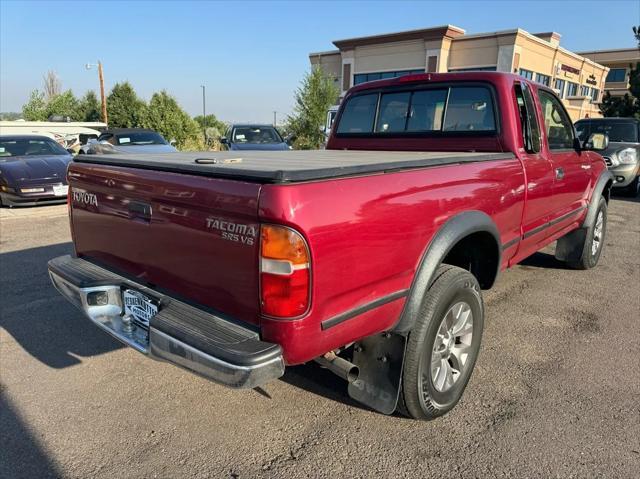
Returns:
(285,272)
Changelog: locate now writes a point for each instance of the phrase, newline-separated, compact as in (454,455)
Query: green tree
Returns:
(211,126)
(124,108)
(166,117)
(89,107)
(63,104)
(35,108)
(313,98)
(629,104)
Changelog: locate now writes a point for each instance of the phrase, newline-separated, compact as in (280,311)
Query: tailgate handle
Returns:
(140,210)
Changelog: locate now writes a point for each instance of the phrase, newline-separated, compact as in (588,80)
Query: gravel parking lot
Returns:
(555,392)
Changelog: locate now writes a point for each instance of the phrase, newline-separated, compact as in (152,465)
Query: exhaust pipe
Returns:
(339,366)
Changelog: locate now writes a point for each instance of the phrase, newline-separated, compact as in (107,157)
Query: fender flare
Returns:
(605,177)
(455,229)
(569,247)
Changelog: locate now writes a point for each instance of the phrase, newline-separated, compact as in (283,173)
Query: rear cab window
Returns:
(438,109)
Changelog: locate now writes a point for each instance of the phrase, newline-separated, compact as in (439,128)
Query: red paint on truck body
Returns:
(366,234)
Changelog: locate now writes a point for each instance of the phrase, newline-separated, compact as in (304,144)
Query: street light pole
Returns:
(275,122)
(103,99)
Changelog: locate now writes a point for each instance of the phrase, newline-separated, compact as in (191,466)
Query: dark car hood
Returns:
(21,169)
(259,146)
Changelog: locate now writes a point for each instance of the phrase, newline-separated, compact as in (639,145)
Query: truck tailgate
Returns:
(195,237)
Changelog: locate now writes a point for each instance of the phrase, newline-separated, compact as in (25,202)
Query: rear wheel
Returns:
(594,240)
(443,346)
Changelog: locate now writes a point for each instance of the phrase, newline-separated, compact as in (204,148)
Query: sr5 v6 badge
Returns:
(238,233)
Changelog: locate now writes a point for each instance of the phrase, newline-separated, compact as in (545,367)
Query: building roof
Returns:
(611,50)
(433,33)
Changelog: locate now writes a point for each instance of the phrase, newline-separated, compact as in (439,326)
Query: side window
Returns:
(358,114)
(469,109)
(557,123)
(393,112)
(536,143)
(528,120)
(427,108)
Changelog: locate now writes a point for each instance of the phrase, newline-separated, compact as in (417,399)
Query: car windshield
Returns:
(262,134)
(619,131)
(29,147)
(140,138)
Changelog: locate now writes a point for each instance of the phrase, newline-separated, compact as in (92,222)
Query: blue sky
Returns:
(250,55)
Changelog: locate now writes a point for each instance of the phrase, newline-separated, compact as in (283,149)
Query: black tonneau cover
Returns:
(288,166)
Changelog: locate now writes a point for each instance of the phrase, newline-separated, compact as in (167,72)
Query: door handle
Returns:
(559,173)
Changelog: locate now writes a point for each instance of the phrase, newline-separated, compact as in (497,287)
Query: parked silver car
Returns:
(623,153)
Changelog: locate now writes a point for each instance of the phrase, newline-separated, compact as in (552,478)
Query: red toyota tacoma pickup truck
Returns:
(368,257)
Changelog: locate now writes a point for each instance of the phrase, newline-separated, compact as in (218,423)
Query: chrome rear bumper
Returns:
(189,337)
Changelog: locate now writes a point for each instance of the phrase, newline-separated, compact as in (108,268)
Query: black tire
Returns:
(420,398)
(633,188)
(590,255)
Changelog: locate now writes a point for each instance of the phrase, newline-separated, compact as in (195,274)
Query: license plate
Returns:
(139,306)
(60,190)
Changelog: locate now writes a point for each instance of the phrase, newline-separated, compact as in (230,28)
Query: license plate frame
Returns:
(139,306)
(60,190)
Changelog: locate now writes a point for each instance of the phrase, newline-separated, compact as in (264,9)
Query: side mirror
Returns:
(71,151)
(172,142)
(596,142)
(224,140)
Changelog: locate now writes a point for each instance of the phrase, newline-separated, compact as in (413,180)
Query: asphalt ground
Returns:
(555,392)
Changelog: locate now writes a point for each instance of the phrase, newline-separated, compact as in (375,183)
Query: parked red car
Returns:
(369,257)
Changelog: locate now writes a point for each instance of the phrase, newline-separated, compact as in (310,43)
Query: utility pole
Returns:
(204,111)
(103,99)
(204,114)
(275,115)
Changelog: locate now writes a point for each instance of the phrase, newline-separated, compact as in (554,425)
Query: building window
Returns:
(559,85)
(544,79)
(585,90)
(365,77)
(595,94)
(528,74)
(617,75)
(572,89)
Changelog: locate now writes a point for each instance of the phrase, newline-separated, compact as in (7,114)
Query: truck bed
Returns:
(288,166)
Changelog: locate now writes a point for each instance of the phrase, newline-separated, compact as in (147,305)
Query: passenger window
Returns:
(469,109)
(426,112)
(358,114)
(393,112)
(557,122)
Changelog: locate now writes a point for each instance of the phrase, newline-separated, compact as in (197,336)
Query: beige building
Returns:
(619,63)
(578,80)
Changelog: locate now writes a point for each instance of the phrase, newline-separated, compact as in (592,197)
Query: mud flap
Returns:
(379,359)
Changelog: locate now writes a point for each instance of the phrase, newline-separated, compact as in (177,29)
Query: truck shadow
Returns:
(619,197)
(542,260)
(38,318)
(322,382)
(21,455)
